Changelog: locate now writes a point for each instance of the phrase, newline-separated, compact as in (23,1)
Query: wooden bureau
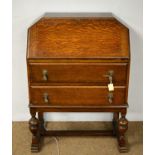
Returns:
(78,63)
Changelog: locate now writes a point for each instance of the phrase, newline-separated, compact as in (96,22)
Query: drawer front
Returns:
(76,96)
(77,73)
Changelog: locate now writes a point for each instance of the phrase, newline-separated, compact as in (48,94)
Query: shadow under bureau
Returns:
(78,63)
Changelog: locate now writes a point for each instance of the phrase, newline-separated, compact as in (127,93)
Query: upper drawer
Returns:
(77,73)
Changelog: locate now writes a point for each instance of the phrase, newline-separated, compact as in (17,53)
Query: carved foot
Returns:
(34,128)
(122,128)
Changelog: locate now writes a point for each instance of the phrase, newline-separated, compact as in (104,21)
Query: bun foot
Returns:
(35,148)
(123,148)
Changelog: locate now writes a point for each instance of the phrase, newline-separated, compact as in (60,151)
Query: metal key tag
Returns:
(110,87)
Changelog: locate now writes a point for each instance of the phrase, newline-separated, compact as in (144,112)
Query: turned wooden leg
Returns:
(41,120)
(122,128)
(115,122)
(34,128)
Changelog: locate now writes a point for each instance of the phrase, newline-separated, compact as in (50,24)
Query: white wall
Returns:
(25,12)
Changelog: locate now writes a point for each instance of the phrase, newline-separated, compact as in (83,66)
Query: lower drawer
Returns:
(76,95)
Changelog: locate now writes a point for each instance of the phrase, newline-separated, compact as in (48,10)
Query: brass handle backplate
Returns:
(110,97)
(45,96)
(45,75)
(110,75)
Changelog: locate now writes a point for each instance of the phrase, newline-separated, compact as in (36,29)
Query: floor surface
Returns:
(77,145)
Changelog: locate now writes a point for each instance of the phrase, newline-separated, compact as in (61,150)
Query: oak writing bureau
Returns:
(78,63)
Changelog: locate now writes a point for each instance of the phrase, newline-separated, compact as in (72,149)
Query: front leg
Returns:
(115,122)
(34,128)
(41,120)
(122,128)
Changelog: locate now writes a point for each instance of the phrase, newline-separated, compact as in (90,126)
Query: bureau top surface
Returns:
(81,36)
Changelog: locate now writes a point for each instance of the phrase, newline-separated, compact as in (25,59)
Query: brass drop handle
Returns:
(45,75)
(45,96)
(110,76)
(110,97)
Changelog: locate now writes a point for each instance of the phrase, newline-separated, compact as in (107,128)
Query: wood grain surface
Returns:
(78,73)
(76,95)
(78,38)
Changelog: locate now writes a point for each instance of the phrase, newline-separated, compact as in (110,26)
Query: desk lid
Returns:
(78,36)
